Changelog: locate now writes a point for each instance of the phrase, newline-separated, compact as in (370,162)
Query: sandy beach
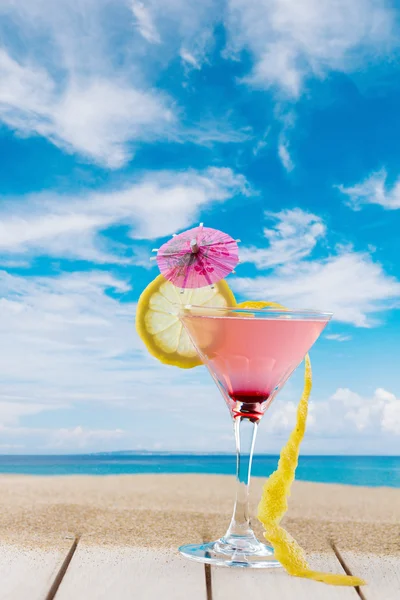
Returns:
(163,511)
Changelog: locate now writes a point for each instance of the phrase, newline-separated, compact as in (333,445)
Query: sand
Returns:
(163,511)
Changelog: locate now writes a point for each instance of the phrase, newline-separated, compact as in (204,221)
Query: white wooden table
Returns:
(76,571)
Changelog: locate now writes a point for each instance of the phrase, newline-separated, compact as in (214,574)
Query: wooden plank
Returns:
(259,584)
(29,573)
(108,573)
(382,574)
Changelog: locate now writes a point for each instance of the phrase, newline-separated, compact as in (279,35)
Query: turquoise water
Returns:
(370,471)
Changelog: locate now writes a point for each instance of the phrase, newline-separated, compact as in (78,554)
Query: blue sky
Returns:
(123,122)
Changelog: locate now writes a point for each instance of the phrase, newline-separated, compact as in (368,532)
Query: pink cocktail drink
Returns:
(251,358)
(250,354)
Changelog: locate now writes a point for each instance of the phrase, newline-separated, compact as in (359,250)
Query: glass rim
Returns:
(267,312)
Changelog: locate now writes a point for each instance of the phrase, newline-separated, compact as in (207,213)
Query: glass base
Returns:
(239,552)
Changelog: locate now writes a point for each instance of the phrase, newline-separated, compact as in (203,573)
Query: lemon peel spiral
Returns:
(274,501)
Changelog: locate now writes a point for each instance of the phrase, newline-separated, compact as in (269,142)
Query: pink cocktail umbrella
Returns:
(198,257)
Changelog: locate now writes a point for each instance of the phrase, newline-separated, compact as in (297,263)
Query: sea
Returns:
(370,471)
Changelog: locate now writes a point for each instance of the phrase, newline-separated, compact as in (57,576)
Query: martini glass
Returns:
(250,354)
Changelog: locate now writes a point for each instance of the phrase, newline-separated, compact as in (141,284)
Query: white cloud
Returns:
(65,342)
(373,190)
(349,284)
(366,414)
(391,417)
(145,22)
(69,346)
(338,337)
(291,40)
(294,236)
(12,411)
(157,205)
(70,339)
(216,130)
(282,417)
(185,28)
(78,94)
(188,58)
(180,198)
(63,439)
(55,328)
(262,142)
(346,413)
(81,437)
(11,447)
(284,154)
(95,116)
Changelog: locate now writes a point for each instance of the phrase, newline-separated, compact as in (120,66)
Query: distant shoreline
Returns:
(367,471)
(184,453)
(255,478)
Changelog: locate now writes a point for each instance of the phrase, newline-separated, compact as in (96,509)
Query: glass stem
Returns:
(245,436)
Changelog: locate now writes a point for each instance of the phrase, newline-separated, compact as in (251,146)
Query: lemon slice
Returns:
(274,500)
(258,305)
(158,324)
